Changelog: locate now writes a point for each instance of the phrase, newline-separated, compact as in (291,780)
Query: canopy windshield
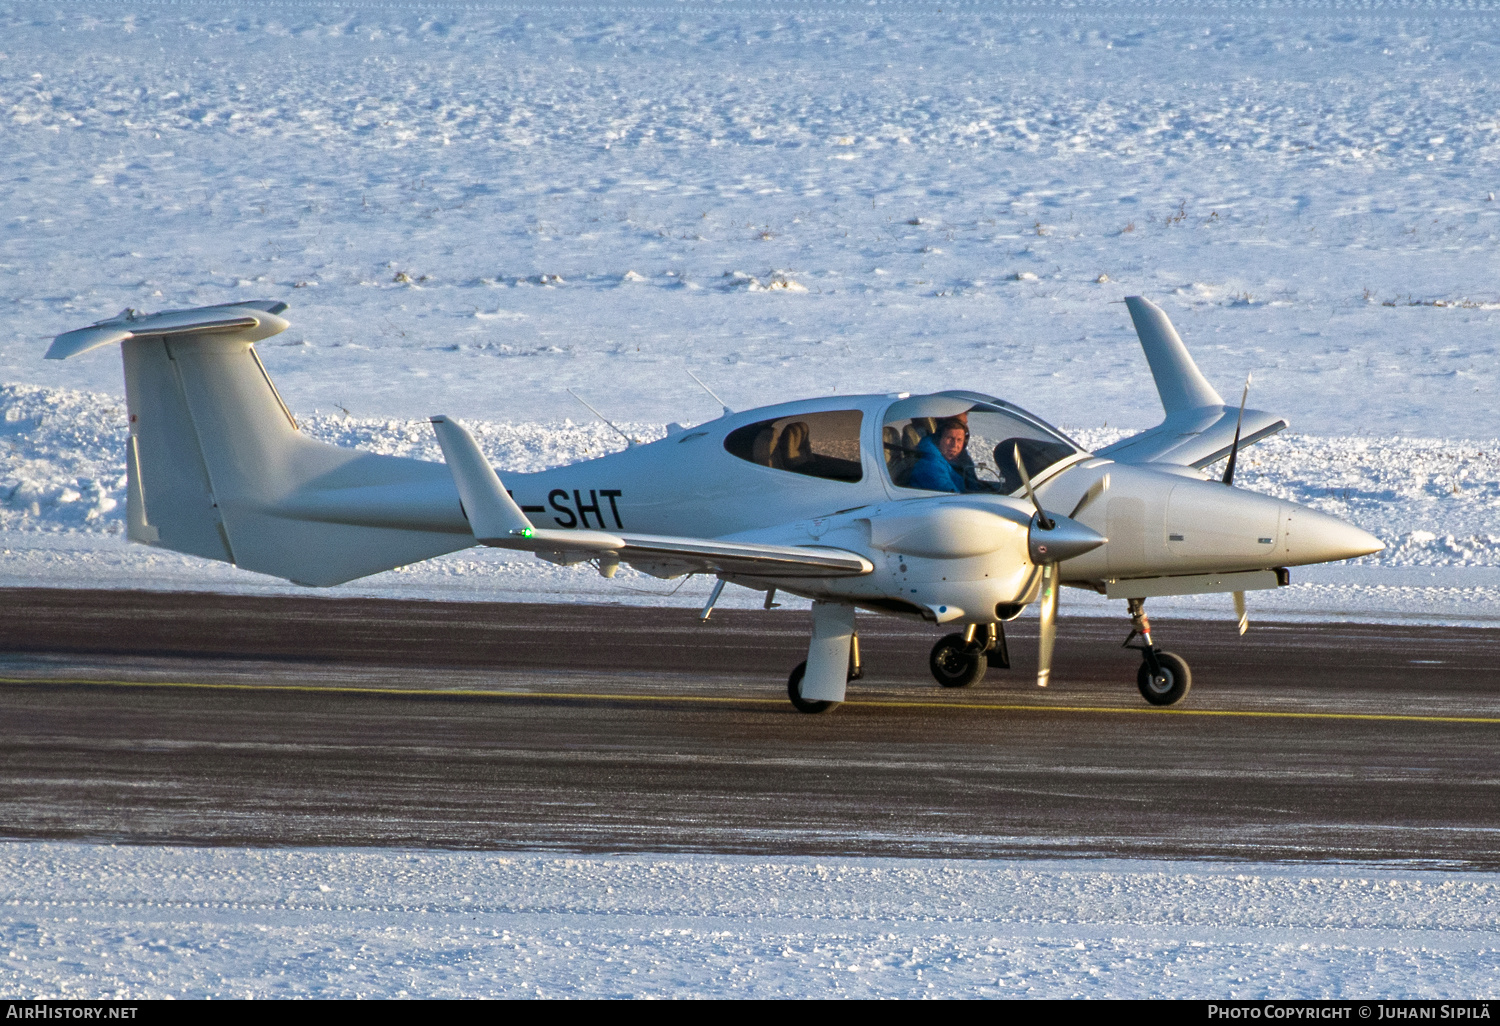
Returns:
(967,442)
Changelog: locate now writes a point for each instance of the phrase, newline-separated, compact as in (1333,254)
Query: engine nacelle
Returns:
(948,558)
(973,558)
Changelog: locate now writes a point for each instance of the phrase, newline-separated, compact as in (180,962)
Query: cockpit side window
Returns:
(822,445)
(945,443)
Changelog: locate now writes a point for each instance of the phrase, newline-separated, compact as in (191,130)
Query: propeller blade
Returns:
(1240,612)
(1043,520)
(1234,449)
(1048,635)
(1096,489)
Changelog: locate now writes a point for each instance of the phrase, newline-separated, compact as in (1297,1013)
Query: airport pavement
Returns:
(159,717)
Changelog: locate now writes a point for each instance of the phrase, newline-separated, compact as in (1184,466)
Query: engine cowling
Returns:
(943,532)
(966,558)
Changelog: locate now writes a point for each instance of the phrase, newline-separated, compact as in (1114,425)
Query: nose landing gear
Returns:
(961,659)
(1164,677)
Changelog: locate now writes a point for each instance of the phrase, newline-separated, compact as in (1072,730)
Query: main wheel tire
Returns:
(1173,684)
(955,664)
(794,692)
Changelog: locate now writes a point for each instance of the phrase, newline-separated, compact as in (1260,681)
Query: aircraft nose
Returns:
(1312,537)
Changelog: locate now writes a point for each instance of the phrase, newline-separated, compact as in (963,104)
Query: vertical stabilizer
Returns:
(164,464)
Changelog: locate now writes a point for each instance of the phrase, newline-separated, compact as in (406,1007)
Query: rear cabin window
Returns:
(822,445)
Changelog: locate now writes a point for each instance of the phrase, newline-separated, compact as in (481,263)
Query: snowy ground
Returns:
(473,207)
(83,920)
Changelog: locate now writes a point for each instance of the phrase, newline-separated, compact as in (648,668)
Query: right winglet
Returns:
(1198,429)
(493,515)
(1178,381)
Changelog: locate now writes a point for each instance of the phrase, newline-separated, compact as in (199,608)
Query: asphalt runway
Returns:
(208,719)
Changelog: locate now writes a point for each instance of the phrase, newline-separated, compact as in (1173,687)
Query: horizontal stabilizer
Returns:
(216,466)
(497,521)
(246,322)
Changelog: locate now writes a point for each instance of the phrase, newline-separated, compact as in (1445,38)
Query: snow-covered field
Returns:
(85,920)
(473,207)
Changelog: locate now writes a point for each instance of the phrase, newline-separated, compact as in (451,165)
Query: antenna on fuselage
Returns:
(710,391)
(628,439)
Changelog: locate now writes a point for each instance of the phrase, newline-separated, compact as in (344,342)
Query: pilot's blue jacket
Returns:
(932,471)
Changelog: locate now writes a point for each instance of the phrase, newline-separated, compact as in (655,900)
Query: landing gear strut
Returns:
(961,659)
(794,682)
(1164,677)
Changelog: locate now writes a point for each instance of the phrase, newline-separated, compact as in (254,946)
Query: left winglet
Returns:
(1178,381)
(493,514)
(1198,429)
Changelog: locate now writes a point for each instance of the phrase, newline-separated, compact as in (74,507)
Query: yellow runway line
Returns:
(1155,711)
(324,689)
(329,689)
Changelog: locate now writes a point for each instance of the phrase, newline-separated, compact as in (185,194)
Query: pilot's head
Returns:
(952,436)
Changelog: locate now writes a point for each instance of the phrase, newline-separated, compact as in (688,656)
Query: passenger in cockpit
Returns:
(941,457)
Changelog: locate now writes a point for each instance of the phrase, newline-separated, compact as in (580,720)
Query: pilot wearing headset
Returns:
(943,463)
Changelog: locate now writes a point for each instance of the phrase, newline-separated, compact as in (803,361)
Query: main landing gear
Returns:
(794,682)
(961,659)
(1164,677)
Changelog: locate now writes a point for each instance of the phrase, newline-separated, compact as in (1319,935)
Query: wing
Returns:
(497,521)
(1199,427)
(1194,438)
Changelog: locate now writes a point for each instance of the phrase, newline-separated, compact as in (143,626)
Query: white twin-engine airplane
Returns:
(944,507)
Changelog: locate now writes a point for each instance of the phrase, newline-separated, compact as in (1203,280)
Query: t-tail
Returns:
(218,468)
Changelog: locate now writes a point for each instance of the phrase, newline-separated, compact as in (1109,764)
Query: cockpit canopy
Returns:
(947,442)
(967,442)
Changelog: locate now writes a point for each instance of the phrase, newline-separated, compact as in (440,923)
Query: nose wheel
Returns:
(1167,682)
(1164,677)
(961,659)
